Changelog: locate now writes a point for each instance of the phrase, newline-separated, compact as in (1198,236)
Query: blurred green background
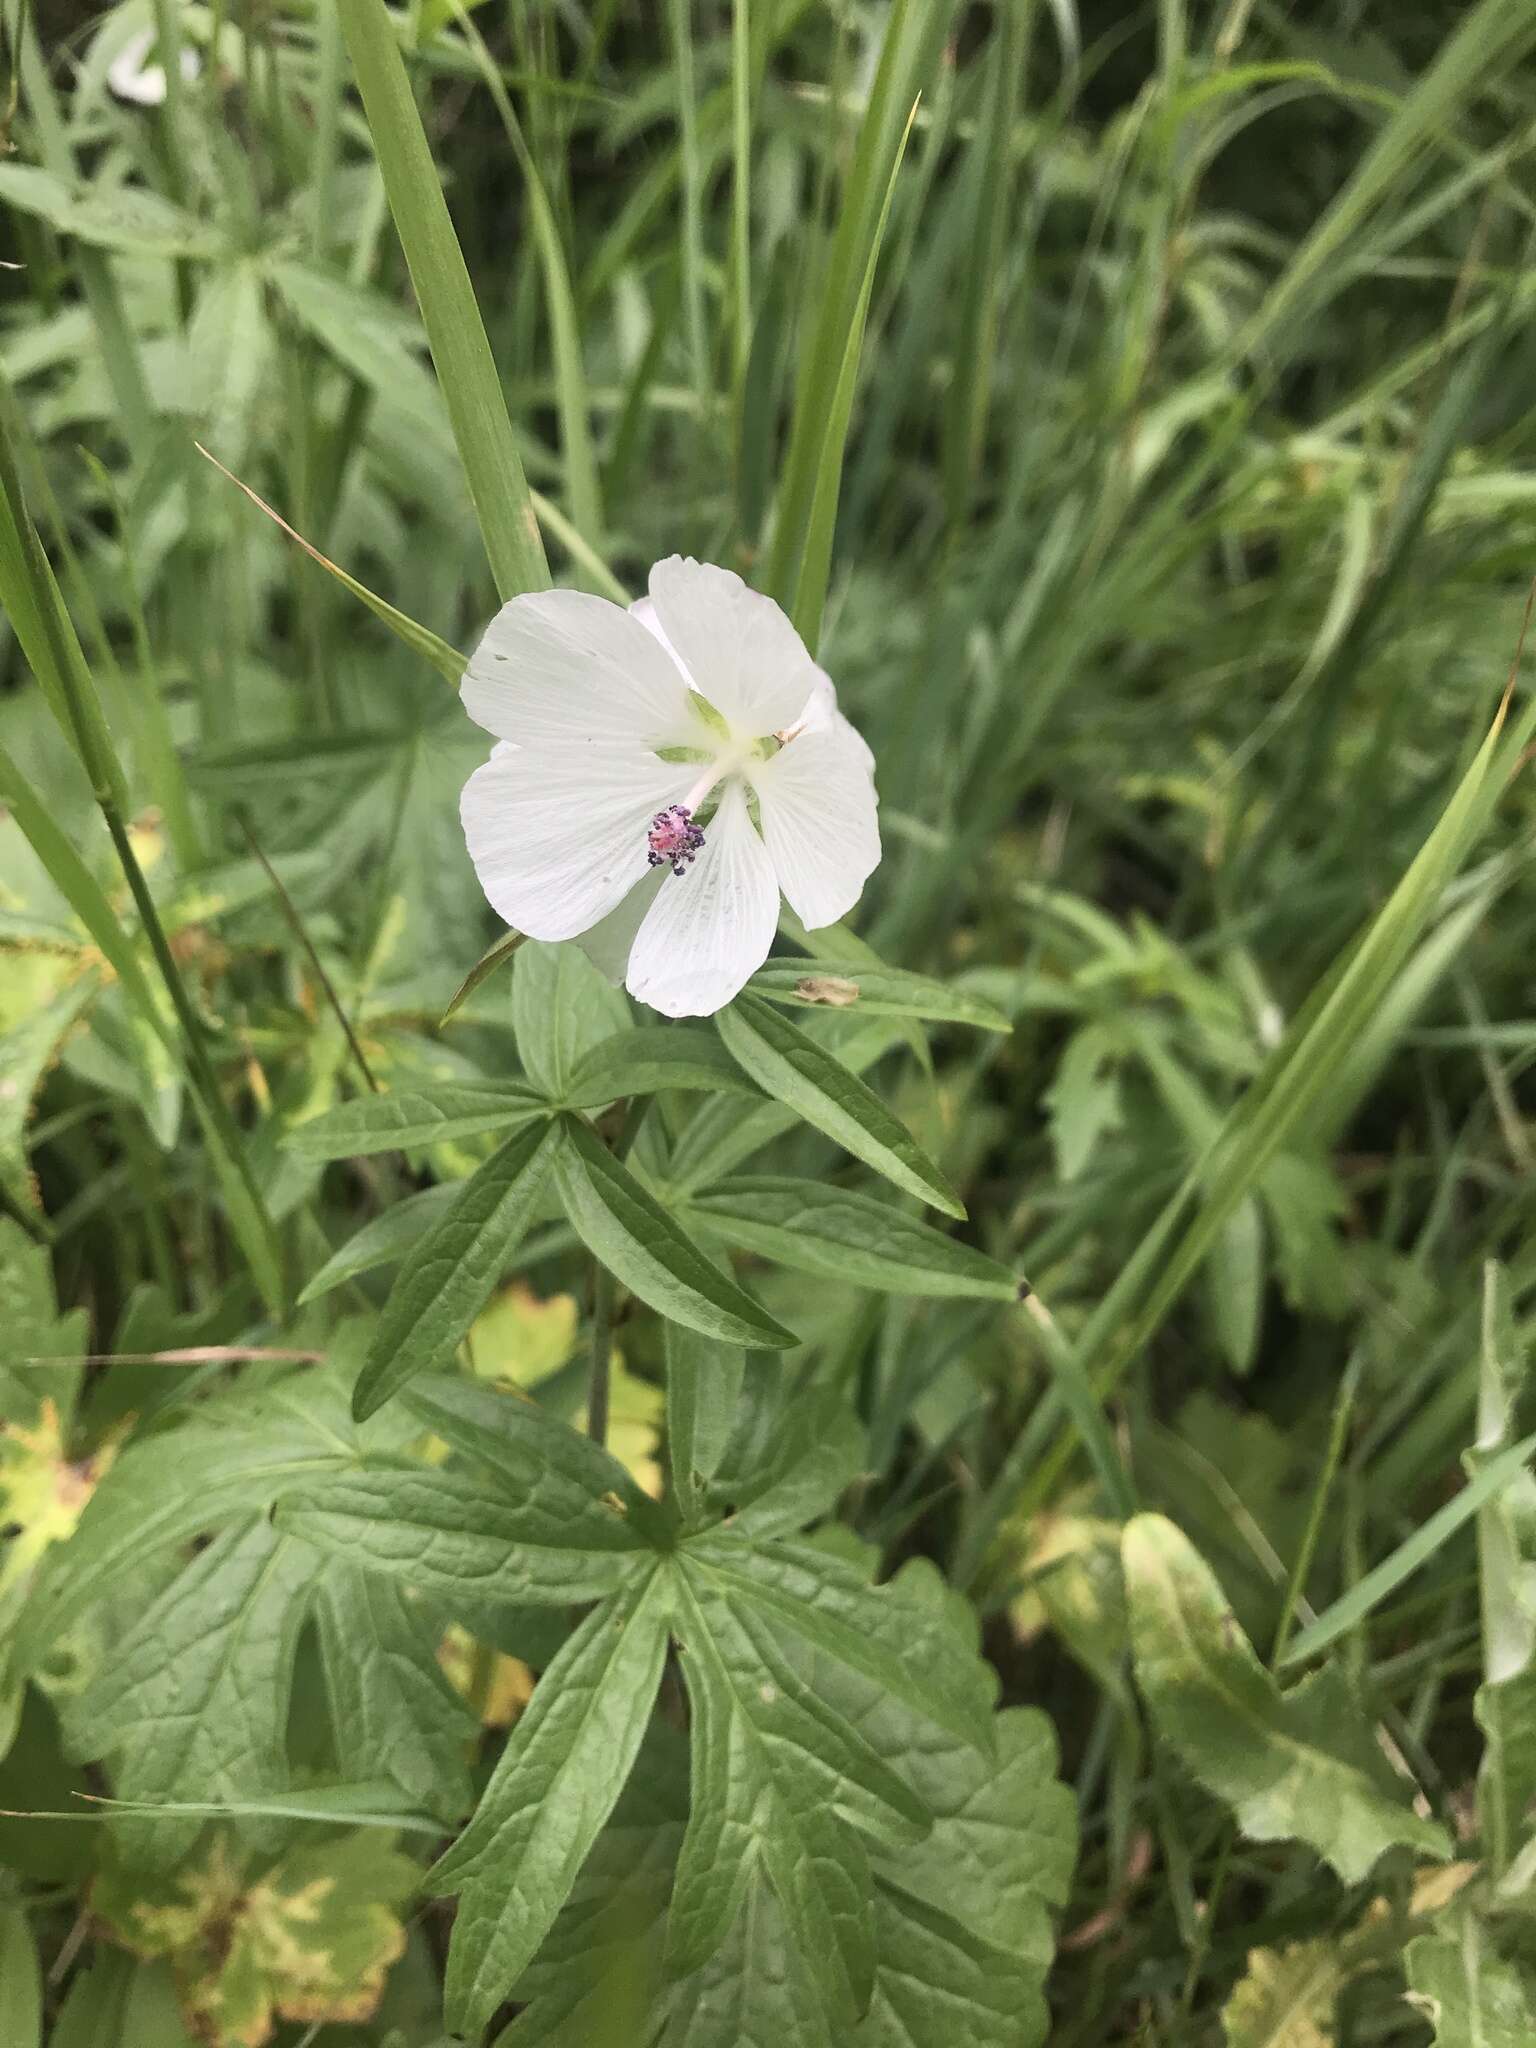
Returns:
(1180,559)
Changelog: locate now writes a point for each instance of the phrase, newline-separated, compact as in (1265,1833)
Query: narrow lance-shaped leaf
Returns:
(653,1057)
(803,1075)
(632,1234)
(1505,1468)
(872,989)
(387,1238)
(816,557)
(233,1460)
(407,1117)
(1301,1764)
(447,1279)
(846,1236)
(911,40)
(703,1382)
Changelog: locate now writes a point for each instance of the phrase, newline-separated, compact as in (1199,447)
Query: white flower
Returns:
(663,773)
(131,77)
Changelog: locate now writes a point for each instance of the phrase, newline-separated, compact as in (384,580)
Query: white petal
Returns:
(816,798)
(557,842)
(563,669)
(609,942)
(131,77)
(820,711)
(741,651)
(710,928)
(645,611)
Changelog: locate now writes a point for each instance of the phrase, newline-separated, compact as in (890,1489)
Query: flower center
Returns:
(673,839)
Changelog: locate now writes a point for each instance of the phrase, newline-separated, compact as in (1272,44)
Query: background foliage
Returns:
(1174,573)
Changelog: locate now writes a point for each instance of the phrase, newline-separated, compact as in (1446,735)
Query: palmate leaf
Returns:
(230,1459)
(193,1704)
(549,1519)
(774,1775)
(309,1938)
(960,1918)
(1301,1764)
(554,1787)
(788,1788)
(829,1608)
(393,1713)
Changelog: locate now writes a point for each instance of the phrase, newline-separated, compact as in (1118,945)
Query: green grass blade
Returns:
(1411,1556)
(581,486)
(1293,1085)
(460,349)
(816,560)
(421,640)
(1490,40)
(911,41)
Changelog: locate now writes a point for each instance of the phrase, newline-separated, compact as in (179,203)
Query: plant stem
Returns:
(602,1354)
(603,1292)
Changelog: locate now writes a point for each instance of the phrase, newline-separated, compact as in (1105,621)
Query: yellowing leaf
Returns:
(310,1940)
(521,1338)
(1286,2000)
(497,1686)
(634,1426)
(42,1494)
(1071,1564)
(1301,1765)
